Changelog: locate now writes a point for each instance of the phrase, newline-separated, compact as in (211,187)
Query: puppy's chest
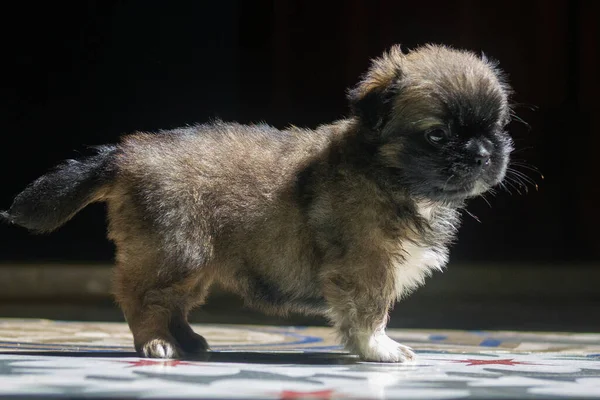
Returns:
(419,255)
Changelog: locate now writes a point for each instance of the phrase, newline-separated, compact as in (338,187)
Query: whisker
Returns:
(530,107)
(520,149)
(523,177)
(486,200)
(519,174)
(528,167)
(503,186)
(473,216)
(521,161)
(521,120)
(447,180)
(518,181)
(513,186)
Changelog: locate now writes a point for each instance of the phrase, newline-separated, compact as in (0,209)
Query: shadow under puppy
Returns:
(340,221)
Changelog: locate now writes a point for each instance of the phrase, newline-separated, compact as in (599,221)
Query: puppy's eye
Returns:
(437,136)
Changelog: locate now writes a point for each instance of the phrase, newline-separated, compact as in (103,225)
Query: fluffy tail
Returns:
(53,199)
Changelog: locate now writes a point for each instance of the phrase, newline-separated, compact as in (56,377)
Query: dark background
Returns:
(86,72)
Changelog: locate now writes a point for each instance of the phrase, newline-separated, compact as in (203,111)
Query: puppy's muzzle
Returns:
(479,154)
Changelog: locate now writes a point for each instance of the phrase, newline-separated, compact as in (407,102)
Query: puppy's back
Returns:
(220,176)
(230,163)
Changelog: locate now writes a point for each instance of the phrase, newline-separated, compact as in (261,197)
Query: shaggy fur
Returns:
(339,221)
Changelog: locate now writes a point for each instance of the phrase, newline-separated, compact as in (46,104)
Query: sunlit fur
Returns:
(339,221)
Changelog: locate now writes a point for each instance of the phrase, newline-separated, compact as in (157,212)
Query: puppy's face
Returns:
(438,116)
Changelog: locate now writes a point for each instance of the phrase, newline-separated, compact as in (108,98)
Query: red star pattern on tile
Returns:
(164,363)
(506,361)
(293,395)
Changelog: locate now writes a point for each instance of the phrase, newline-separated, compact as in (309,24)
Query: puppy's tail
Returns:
(54,198)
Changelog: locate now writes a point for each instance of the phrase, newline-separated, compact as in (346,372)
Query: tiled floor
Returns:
(41,358)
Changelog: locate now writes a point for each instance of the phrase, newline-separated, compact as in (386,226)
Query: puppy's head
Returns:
(438,117)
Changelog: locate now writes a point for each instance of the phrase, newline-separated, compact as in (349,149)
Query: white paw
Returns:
(160,348)
(380,348)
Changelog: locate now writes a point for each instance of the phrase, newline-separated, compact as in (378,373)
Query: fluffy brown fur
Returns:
(340,221)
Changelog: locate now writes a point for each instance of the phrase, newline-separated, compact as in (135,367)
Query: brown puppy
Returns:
(341,221)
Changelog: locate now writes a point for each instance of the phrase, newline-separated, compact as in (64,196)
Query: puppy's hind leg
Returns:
(189,341)
(155,308)
(148,309)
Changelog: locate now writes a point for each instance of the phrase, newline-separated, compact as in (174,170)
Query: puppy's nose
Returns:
(482,159)
(480,153)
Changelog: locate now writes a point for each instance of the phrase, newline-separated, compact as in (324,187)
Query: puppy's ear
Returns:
(371,100)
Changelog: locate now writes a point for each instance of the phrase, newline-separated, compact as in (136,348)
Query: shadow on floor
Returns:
(246,357)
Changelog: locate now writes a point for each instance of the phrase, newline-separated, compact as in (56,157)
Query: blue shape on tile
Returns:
(300,338)
(437,338)
(490,342)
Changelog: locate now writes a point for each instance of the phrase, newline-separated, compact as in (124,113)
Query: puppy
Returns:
(339,221)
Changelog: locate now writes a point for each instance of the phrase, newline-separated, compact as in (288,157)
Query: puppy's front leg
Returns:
(359,305)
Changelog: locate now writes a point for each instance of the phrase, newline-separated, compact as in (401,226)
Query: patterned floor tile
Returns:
(40,358)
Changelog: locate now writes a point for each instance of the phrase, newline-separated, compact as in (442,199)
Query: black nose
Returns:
(479,150)
(482,160)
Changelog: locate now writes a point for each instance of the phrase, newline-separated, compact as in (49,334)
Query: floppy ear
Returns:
(371,99)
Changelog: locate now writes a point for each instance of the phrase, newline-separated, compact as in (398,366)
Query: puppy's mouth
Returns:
(450,193)
(460,192)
